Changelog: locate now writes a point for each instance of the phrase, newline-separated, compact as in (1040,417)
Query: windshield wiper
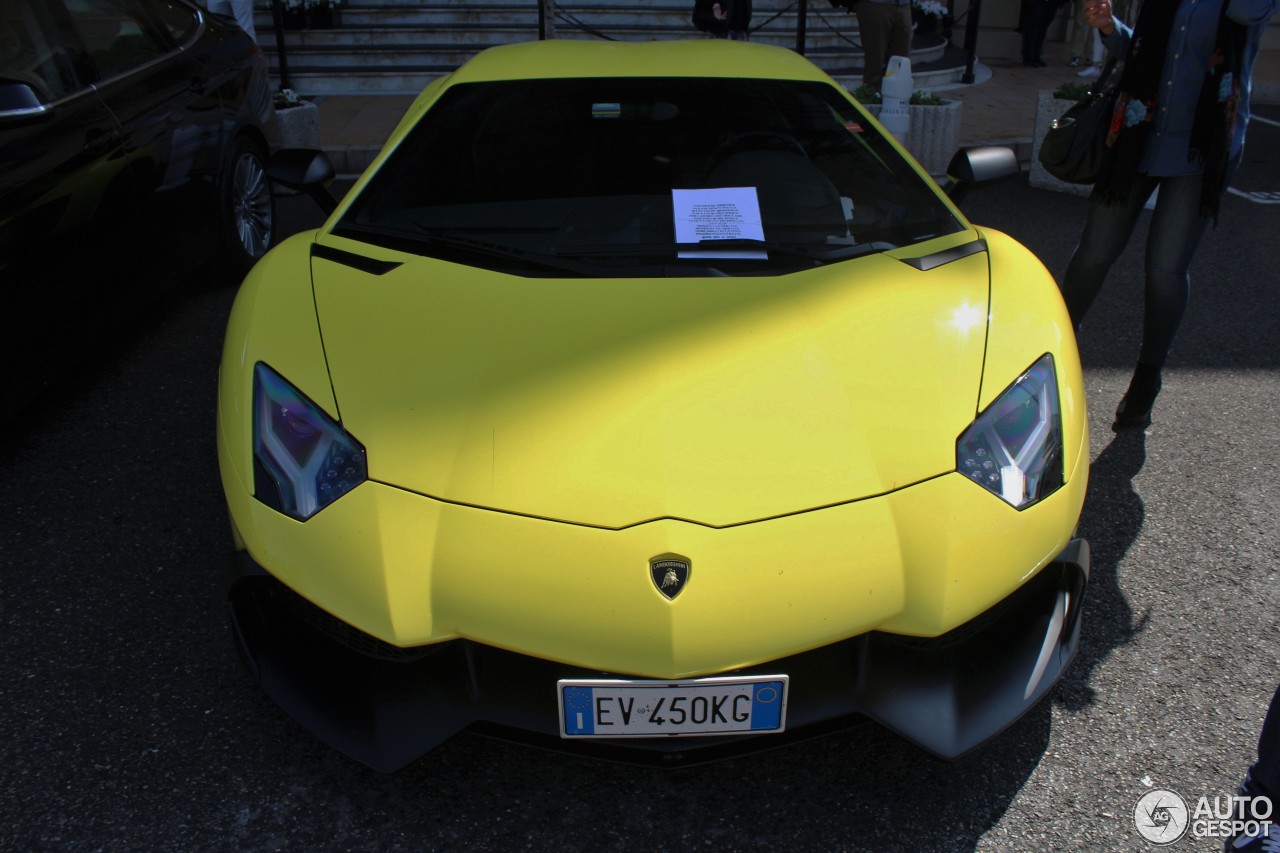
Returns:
(402,241)
(502,250)
(809,251)
(816,251)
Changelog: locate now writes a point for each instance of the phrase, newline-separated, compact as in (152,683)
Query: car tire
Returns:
(246,211)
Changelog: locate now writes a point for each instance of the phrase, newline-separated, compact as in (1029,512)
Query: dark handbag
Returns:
(1073,149)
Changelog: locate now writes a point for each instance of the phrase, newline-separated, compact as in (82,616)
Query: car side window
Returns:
(32,52)
(117,34)
(180,21)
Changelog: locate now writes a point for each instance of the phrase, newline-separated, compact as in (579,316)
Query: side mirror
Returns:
(19,100)
(306,170)
(977,166)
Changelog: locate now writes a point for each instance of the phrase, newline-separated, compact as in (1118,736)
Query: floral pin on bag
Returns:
(1073,149)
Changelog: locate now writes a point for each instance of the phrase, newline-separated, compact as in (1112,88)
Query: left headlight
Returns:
(303,460)
(1014,448)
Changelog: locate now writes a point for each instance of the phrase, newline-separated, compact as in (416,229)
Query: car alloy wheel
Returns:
(248,202)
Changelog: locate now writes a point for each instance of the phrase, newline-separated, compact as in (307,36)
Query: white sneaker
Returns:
(1091,71)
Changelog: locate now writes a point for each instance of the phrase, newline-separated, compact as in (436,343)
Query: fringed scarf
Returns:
(1136,105)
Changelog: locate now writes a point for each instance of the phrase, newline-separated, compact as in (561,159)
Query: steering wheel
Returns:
(758,140)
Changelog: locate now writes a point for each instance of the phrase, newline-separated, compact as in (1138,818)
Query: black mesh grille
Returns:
(344,634)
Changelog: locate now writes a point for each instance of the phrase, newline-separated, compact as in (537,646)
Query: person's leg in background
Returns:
(873,27)
(1081,36)
(1106,233)
(1262,782)
(1177,228)
(898,38)
(1037,17)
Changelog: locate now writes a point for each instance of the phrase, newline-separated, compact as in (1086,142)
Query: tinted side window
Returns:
(117,35)
(180,21)
(32,52)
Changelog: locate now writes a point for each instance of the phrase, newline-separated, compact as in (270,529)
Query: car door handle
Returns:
(100,139)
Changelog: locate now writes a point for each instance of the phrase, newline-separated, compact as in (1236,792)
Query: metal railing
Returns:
(549,12)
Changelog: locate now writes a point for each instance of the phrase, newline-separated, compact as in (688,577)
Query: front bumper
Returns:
(385,706)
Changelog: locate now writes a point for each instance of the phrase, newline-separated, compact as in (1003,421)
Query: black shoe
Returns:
(1134,411)
(1074,63)
(1260,838)
(1265,840)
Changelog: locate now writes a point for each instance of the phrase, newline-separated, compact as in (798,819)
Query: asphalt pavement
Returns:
(127,722)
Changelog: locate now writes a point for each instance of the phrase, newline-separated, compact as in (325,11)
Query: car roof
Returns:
(561,58)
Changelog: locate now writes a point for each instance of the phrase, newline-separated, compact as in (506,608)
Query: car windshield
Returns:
(614,177)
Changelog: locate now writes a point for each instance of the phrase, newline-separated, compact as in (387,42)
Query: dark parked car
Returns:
(133,141)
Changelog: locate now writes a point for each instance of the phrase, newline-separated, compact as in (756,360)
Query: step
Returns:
(596,15)
(617,20)
(491,34)
(390,55)
(383,46)
(401,80)
(471,38)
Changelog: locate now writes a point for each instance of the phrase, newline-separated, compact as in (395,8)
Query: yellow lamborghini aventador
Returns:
(655,414)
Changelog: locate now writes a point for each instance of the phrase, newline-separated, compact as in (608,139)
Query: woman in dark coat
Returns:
(1179,126)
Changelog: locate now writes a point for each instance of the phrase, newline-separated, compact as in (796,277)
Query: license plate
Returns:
(706,706)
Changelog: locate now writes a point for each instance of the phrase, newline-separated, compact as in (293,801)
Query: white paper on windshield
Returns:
(725,213)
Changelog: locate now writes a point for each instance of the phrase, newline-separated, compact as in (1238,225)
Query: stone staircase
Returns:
(397,46)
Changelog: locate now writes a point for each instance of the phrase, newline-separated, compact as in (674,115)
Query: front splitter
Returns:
(385,707)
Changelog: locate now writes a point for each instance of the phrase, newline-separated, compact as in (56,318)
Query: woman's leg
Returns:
(1176,230)
(1265,773)
(1106,232)
(1082,38)
(1262,782)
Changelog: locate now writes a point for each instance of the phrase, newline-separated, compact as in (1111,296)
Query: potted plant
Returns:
(323,14)
(293,14)
(1051,103)
(934,130)
(299,120)
(926,15)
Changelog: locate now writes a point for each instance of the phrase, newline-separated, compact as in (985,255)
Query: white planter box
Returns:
(1049,108)
(933,133)
(299,126)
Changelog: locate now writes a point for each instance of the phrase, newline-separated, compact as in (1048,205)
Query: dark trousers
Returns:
(885,31)
(1264,776)
(1176,228)
(1037,15)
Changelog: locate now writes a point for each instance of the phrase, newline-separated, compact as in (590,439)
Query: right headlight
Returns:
(303,460)
(1014,448)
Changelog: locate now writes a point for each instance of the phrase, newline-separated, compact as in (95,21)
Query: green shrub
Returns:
(1071,91)
(925,99)
(866,95)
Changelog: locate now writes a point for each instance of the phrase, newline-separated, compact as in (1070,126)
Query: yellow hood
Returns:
(613,402)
